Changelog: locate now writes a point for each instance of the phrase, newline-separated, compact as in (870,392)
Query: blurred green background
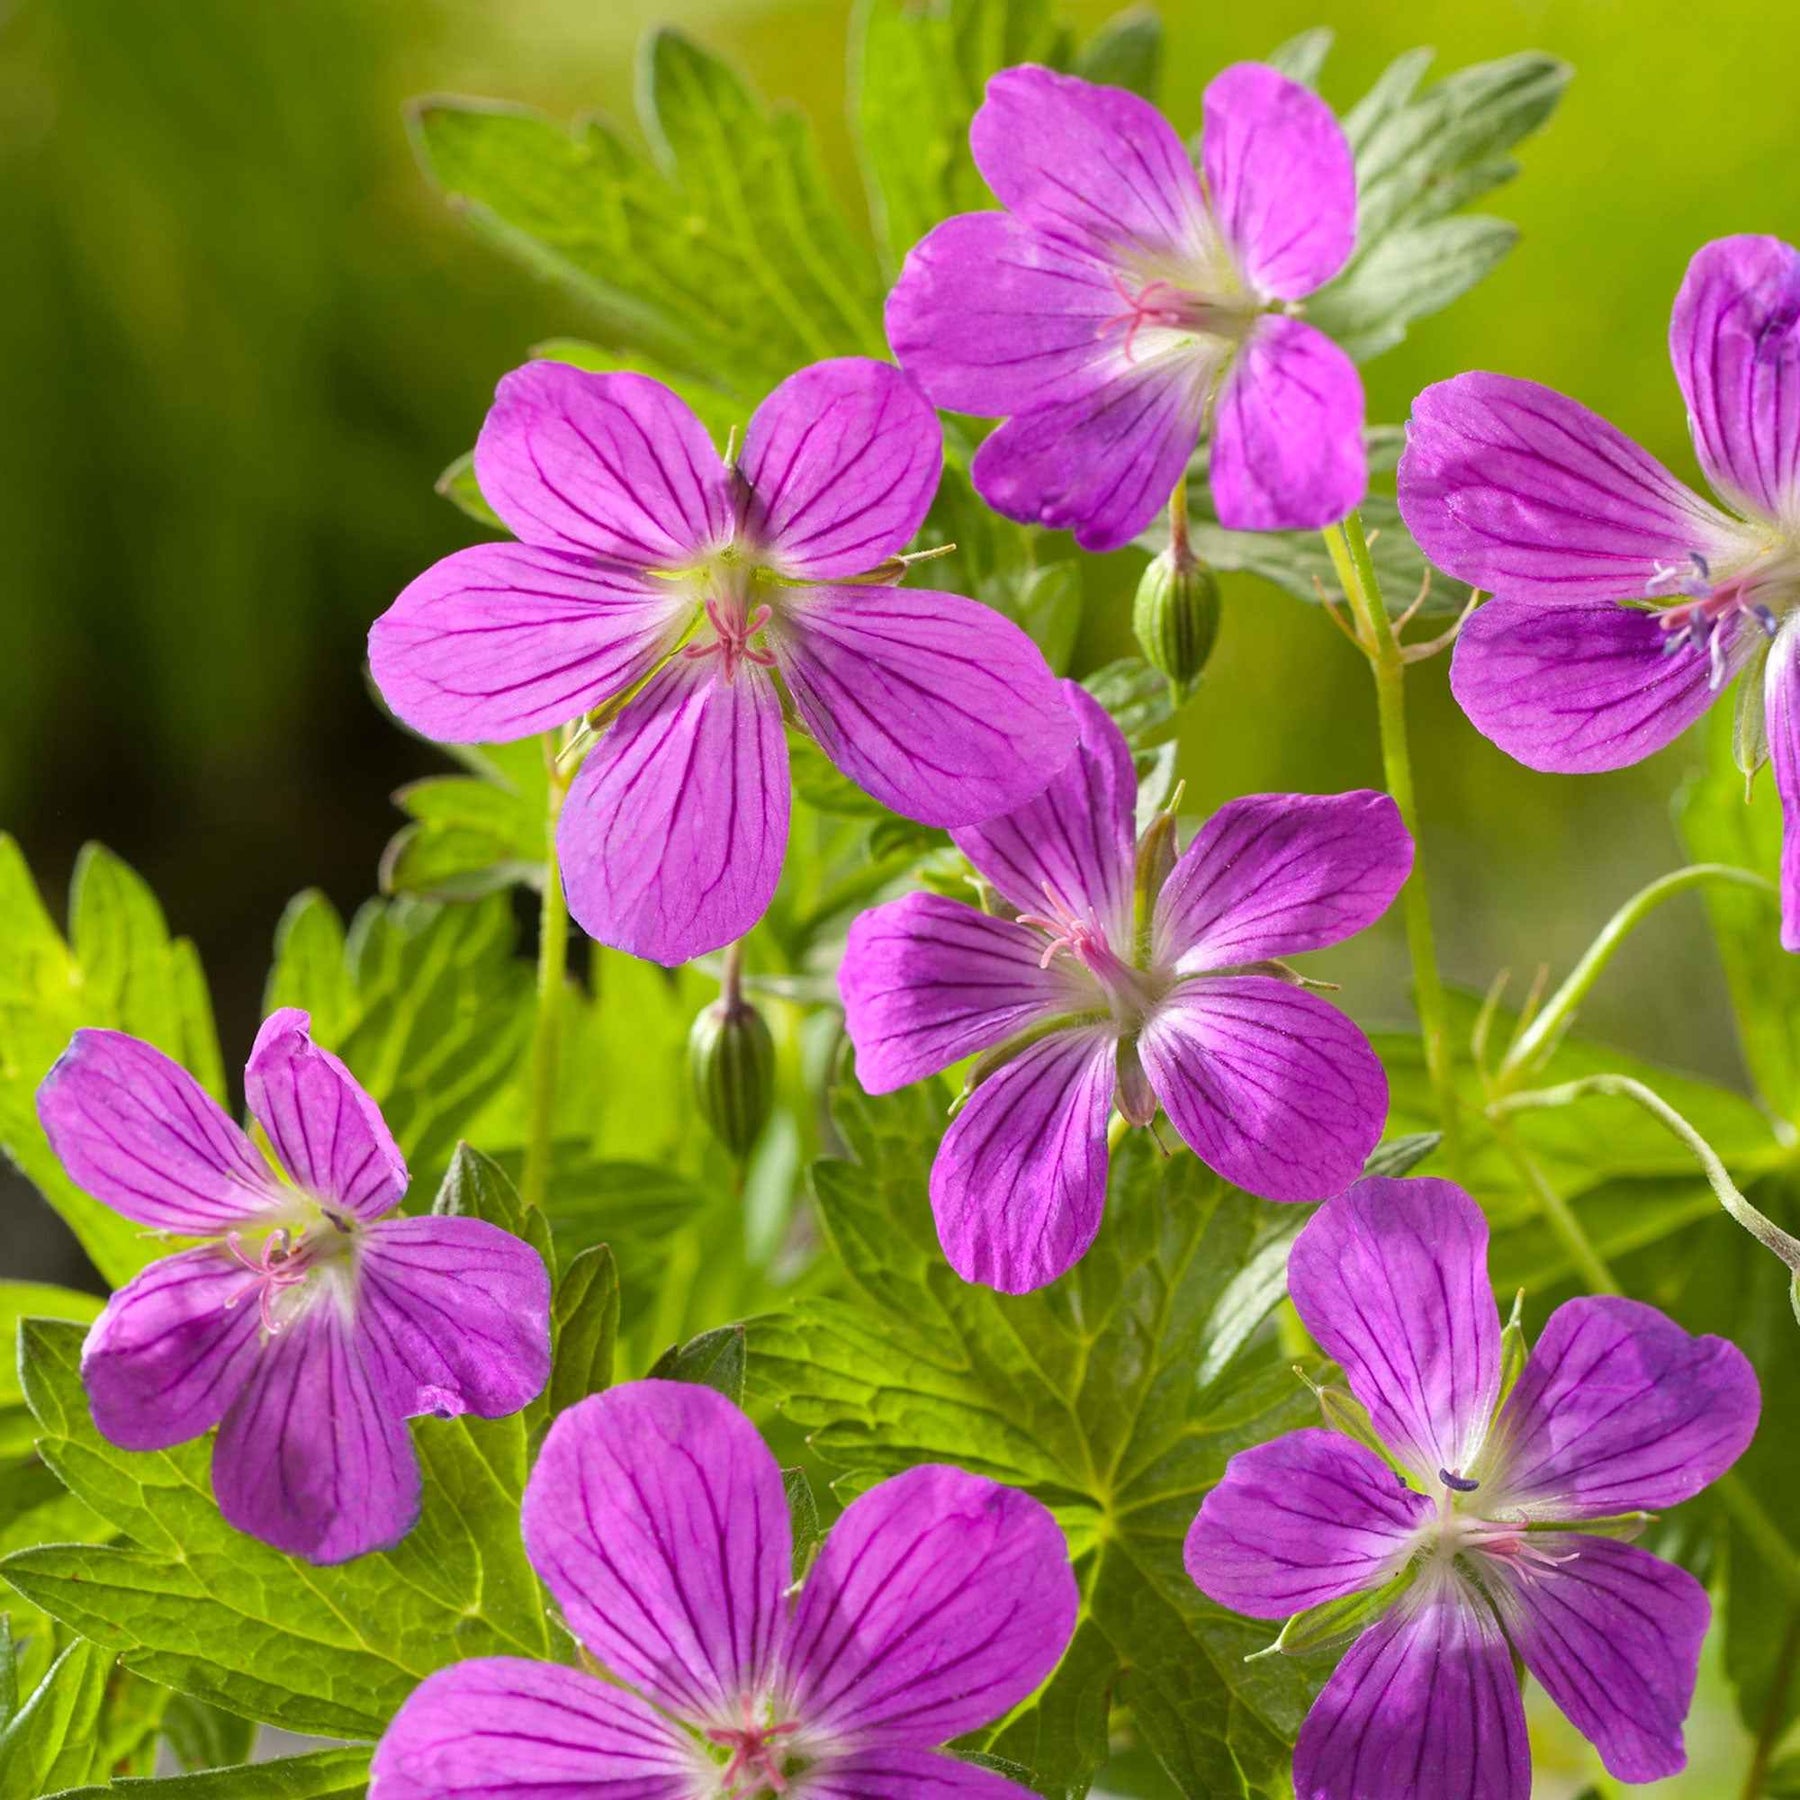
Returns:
(240,336)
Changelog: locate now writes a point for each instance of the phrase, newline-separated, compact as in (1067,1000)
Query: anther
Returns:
(1460,1484)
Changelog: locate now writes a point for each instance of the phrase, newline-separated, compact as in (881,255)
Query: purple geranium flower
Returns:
(649,568)
(1493,1527)
(657,1518)
(1117,974)
(1517,490)
(309,1327)
(1123,303)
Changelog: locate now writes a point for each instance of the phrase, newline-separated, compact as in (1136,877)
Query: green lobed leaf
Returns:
(1126,52)
(1089,1394)
(54,1737)
(586,1328)
(476,834)
(321,1775)
(714,1359)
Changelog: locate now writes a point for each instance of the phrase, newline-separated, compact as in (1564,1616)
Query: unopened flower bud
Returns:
(1176,616)
(731,1058)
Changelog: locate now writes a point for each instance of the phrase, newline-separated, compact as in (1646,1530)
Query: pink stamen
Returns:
(282,1265)
(1070,933)
(732,641)
(756,1755)
(1156,303)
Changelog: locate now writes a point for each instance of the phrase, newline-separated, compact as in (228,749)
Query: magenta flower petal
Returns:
(458,1312)
(1287,449)
(927,981)
(1515,489)
(329,1134)
(313,1457)
(1734,339)
(1019,1182)
(657,1519)
(1391,1279)
(991,317)
(939,1601)
(1424,1702)
(904,1775)
(940,707)
(499,641)
(1073,842)
(1613,1634)
(602,465)
(1307,1518)
(1102,463)
(1619,1410)
(1092,167)
(171,1350)
(1781,711)
(501,1728)
(1268,1085)
(1273,874)
(672,835)
(1281,177)
(1584,687)
(138,1132)
(841,462)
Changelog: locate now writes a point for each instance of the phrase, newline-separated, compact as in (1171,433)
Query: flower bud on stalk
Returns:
(1176,617)
(731,1059)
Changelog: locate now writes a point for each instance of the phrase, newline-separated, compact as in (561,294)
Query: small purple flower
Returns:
(657,1519)
(1117,975)
(1513,488)
(1493,1525)
(649,568)
(1123,303)
(309,1327)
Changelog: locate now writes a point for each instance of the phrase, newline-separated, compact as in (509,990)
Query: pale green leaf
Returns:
(52,1741)
(321,1775)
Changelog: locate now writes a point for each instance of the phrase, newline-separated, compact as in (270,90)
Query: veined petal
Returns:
(138,1132)
(991,317)
(1307,1518)
(1588,686)
(1613,1634)
(1391,1279)
(1781,711)
(602,465)
(1272,874)
(672,835)
(1734,339)
(841,463)
(903,1775)
(1281,177)
(328,1132)
(457,1312)
(657,1518)
(939,1601)
(940,707)
(1103,463)
(499,641)
(1618,1410)
(1270,1086)
(1095,168)
(1074,843)
(501,1728)
(1020,1179)
(1518,490)
(171,1350)
(313,1457)
(1287,447)
(1423,1703)
(927,981)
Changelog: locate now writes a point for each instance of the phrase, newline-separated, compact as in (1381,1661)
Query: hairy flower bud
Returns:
(1176,616)
(731,1058)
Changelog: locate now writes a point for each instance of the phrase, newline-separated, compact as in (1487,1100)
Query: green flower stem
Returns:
(1541,1035)
(1375,633)
(552,973)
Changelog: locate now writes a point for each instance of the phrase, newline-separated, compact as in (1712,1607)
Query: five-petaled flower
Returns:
(1127,972)
(309,1327)
(657,1519)
(649,568)
(1490,1528)
(1125,303)
(1524,493)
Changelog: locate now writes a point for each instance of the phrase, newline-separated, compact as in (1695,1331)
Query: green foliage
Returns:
(476,834)
(322,1775)
(714,1359)
(1116,1395)
(586,1324)
(54,1739)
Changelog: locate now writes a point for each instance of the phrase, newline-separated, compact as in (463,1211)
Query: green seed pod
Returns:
(1176,617)
(731,1059)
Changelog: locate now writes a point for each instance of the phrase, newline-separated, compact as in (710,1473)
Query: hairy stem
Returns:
(552,971)
(1375,632)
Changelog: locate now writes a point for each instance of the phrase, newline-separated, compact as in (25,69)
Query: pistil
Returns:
(733,630)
